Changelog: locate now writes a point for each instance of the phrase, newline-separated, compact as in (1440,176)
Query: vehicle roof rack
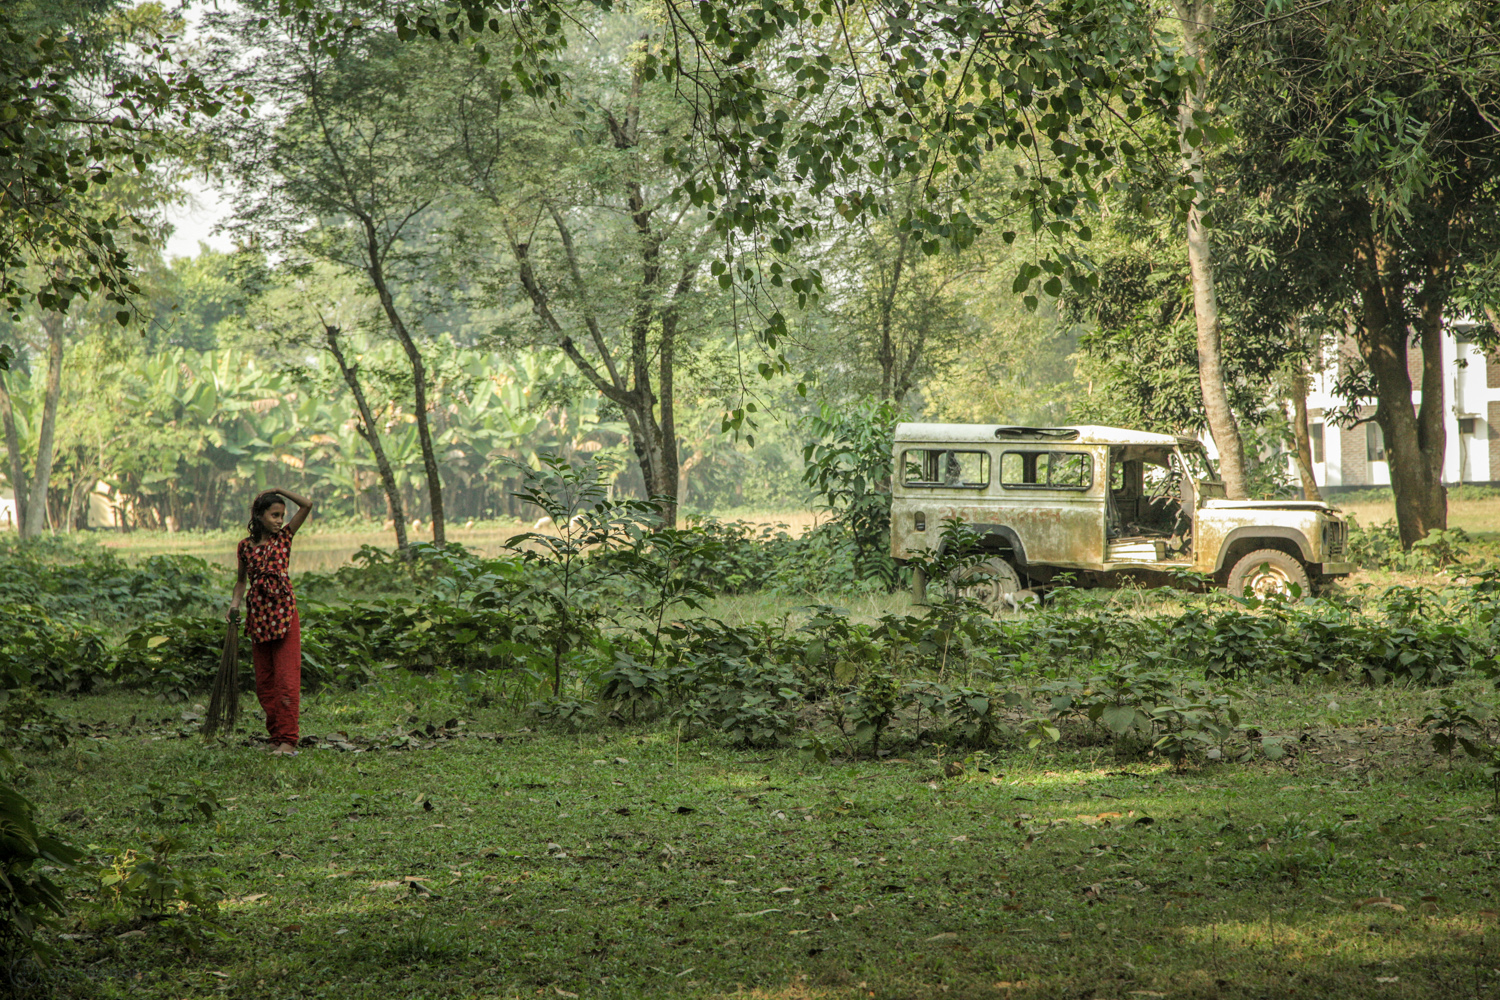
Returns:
(1045,433)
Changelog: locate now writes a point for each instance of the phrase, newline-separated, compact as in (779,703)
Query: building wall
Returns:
(1471,385)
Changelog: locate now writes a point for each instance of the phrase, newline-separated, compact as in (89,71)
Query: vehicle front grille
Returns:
(1335,541)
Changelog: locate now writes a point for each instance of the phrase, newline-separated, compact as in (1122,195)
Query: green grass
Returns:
(622,863)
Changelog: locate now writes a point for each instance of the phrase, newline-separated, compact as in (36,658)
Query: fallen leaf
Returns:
(562,992)
(129,935)
(1388,979)
(946,936)
(292,928)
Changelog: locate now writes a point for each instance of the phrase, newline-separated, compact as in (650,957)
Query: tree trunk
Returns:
(371,433)
(1197,18)
(886,352)
(16,471)
(419,381)
(1301,435)
(36,504)
(1415,439)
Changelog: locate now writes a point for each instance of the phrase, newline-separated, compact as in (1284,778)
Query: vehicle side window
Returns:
(1018,468)
(1058,470)
(1072,470)
(969,470)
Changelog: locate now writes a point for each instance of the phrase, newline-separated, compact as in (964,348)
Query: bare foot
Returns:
(285,749)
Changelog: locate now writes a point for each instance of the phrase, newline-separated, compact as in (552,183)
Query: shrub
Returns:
(61,653)
(849,466)
(1379,547)
(29,899)
(66,575)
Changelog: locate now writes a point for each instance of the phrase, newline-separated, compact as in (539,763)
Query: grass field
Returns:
(425,844)
(323,549)
(489,860)
(1477,517)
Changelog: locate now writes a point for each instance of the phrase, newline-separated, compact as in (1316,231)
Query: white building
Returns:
(1355,457)
(8,521)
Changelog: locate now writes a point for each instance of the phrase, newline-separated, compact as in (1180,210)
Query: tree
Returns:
(896,316)
(582,222)
(1373,131)
(797,106)
(1141,358)
(340,144)
(369,429)
(306,307)
(78,106)
(1196,19)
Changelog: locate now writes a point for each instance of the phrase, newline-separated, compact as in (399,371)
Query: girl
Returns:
(272,617)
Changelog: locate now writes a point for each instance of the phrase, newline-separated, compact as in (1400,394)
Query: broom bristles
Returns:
(224,705)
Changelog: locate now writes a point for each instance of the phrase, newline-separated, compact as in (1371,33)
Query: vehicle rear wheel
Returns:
(990,583)
(1269,571)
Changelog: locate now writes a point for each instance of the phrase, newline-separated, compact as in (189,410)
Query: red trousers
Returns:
(278,682)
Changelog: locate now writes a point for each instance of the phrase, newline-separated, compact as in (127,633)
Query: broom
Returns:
(224,706)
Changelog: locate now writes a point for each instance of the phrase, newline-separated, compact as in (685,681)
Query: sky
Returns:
(194,219)
(205,206)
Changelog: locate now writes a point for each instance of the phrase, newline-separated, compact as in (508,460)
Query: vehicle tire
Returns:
(989,583)
(1267,572)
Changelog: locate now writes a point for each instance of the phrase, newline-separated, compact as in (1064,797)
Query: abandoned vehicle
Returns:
(1099,504)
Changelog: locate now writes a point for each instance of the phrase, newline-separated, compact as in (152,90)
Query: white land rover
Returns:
(1100,504)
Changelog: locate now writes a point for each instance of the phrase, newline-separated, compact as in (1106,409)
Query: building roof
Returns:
(1074,434)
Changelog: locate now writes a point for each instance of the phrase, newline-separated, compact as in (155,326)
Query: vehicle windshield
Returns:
(1199,465)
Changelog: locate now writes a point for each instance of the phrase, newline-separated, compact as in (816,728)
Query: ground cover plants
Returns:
(565,771)
(494,859)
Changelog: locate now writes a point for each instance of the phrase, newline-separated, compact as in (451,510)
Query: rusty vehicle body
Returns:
(1100,504)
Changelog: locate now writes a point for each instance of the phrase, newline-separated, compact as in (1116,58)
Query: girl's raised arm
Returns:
(304,508)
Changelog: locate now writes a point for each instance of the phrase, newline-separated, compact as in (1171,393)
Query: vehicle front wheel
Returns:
(993,583)
(1269,571)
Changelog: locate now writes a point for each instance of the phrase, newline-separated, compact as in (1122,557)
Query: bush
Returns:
(849,466)
(63,574)
(61,653)
(176,657)
(29,900)
(1379,547)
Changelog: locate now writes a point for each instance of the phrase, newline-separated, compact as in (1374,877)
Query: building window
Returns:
(1315,435)
(1466,426)
(1374,442)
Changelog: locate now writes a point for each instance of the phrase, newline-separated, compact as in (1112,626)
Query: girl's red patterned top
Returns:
(269,602)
